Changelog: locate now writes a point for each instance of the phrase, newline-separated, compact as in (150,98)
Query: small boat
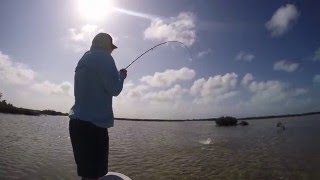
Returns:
(243,123)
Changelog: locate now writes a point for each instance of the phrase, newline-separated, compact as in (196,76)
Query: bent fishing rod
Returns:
(153,49)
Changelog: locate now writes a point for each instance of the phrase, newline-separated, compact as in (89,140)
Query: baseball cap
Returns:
(102,39)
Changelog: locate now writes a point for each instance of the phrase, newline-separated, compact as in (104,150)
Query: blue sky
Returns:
(248,57)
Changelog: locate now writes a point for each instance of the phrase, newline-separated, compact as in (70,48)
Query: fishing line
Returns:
(156,47)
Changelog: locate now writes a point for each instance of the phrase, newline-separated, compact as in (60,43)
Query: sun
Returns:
(95,9)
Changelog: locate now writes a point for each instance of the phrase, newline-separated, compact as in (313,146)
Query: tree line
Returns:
(6,107)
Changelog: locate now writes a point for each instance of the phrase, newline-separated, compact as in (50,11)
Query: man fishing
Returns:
(96,81)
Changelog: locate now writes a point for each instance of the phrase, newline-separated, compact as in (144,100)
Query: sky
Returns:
(242,58)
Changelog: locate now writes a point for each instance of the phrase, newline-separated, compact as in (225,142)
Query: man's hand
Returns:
(123,73)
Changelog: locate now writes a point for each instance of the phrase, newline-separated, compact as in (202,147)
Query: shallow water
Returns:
(39,148)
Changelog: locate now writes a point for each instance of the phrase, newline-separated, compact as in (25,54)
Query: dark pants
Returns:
(90,148)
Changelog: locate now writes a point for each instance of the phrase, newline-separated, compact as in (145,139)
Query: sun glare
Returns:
(95,9)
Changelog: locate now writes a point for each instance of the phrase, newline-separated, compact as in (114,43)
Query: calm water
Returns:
(39,148)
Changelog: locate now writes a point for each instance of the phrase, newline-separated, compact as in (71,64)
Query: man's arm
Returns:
(112,80)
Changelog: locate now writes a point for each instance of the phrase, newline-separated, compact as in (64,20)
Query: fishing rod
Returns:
(153,49)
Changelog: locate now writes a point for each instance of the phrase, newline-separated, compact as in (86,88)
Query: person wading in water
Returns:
(96,81)
(279,124)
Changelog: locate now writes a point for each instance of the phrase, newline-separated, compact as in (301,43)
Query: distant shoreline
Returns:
(9,109)
(31,112)
(214,119)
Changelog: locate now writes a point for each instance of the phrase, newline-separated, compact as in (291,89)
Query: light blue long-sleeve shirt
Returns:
(96,81)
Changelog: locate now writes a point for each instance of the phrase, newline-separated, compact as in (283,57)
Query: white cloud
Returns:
(215,88)
(282,20)
(80,39)
(197,86)
(299,91)
(244,56)
(272,91)
(316,79)
(202,54)
(137,91)
(21,74)
(170,95)
(271,85)
(169,77)
(47,87)
(13,72)
(316,56)
(22,87)
(247,79)
(212,97)
(267,96)
(284,65)
(180,28)
(128,84)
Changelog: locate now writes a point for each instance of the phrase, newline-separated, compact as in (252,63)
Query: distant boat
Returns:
(243,123)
